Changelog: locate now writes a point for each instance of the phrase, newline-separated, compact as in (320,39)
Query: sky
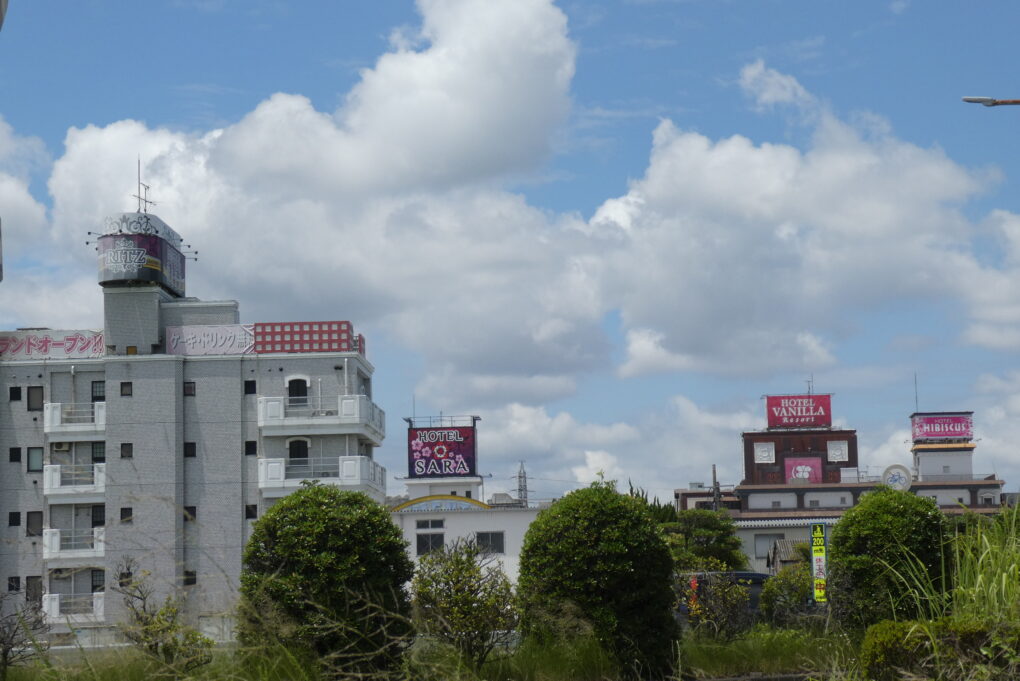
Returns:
(607,228)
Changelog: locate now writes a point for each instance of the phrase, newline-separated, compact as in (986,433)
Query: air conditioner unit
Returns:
(61,446)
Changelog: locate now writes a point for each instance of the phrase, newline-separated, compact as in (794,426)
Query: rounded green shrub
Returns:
(324,575)
(596,558)
(881,550)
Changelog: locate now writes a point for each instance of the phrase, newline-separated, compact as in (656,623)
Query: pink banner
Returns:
(942,426)
(49,344)
(798,411)
(803,469)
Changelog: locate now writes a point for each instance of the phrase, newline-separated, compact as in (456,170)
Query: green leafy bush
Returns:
(700,539)
(786,597)
(717,605)
(462,598)
(950,649)
(324,573)
(874,545)
(599,556)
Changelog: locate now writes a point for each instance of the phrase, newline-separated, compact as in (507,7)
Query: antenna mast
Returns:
(143,192)
(522,485)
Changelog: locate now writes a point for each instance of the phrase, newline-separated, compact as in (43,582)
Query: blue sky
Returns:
(606,227)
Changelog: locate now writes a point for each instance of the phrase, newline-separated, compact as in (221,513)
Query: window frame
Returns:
(486,545)
(190,450)
(250,387)
(427,542)
(127,515)
(127,389)
(251,447)
(35,398)
(127,450)
(33,529)
(189,388)
(98,395)
(39,455)
(14,393)
(15,454)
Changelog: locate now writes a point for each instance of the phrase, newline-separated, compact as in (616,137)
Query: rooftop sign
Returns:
(799,411)
(939,426)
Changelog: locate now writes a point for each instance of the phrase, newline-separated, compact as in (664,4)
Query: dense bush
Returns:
(700,539)
(948,649)
(324,575)
(462,597)
(598,555)
(716,604)
(876,549)
(787,597)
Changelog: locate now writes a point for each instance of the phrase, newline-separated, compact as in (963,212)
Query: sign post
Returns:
(818,568)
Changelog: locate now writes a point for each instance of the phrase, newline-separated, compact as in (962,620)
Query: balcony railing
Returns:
(278,477)
(74,608)
(74,420)
(344,414)
(84,482)
(955,477)
(60,543)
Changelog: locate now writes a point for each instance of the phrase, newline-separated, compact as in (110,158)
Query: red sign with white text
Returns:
(799,411)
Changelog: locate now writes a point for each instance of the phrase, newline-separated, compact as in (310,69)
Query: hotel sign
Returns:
(799,411)
(934,427)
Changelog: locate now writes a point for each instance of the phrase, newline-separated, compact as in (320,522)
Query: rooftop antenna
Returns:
(916,408)
(810,383)
(143,192)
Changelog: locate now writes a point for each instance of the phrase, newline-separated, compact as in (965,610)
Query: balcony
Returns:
(74,609)
(74,421)
(343,415)
(75,484)
(279,477)
(74,544)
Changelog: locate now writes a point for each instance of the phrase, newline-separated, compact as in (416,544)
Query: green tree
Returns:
(324,574)
(888,535)
(703,539)
(598,555)
(156,628)
(462,597)
(787,596)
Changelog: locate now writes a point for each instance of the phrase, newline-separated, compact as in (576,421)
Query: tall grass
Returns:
(766,650)
(983,577)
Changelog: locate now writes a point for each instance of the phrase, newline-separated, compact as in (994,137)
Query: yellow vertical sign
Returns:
(818,561)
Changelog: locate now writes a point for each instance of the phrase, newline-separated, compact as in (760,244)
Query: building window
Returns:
(428,543)
(945,469)
(251,447)
(126,515)
(98,580)
(98,515)
(33,524)
(98,452)
(190,450)
(124,579)
(813,503)
(98,391)
(14,519)
(490,542)
(127,450)
(251,511)
(249,387)
(189,388)
(127,389)
(842,501)
(15,453)
(190,578)
(131,350)
(433,524)
(33,589)
(35,398)
(190,513)
(35,459)
(468,494)
(15,393)
(14,583)
(987,501)
(777,504)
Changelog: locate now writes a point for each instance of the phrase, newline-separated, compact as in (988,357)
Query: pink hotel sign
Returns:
(942,426)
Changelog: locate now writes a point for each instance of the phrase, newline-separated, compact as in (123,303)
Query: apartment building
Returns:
(160,436)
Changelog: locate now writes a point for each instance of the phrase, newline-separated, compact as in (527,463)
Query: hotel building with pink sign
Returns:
(796,476)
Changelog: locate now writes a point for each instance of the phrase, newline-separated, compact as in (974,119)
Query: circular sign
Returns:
(897,476)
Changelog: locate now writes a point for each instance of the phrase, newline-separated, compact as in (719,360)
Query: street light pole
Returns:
(991,101)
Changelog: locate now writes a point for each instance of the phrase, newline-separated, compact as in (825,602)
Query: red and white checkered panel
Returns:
(335,336)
